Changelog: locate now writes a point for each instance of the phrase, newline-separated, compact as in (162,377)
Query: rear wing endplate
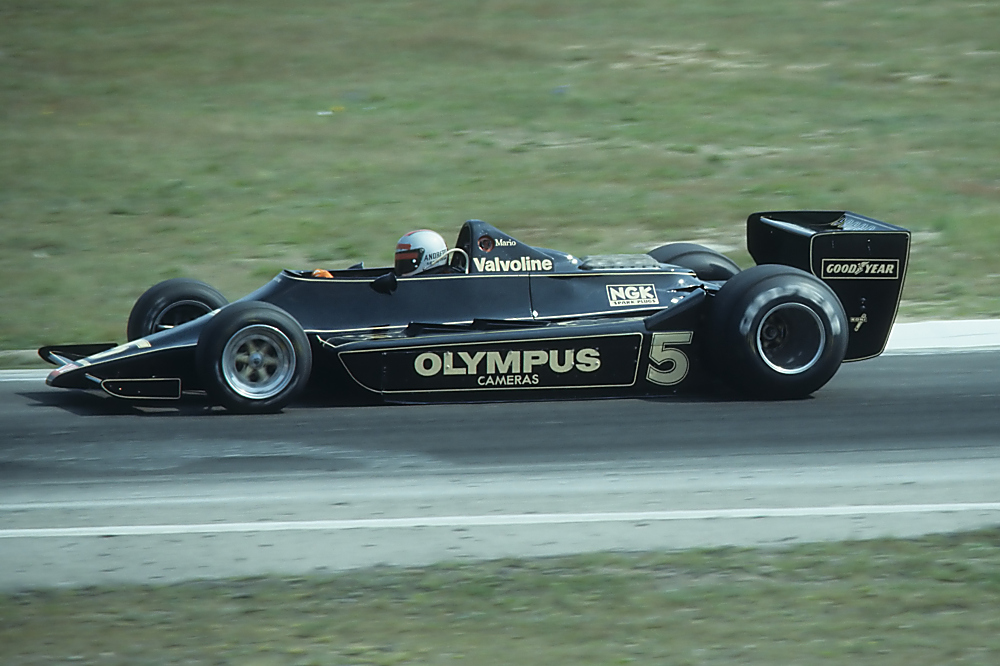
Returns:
(862,259)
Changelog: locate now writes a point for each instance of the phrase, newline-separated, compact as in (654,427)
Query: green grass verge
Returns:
(924,601)
(141,139)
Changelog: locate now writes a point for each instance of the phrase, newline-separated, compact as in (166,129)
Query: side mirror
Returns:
(385,284)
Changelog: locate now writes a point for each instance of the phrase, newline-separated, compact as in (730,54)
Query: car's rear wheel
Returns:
(706,263)
(253,357)
(171,303)
(777,332)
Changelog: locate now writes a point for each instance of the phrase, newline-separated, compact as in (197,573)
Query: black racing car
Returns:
(511,321)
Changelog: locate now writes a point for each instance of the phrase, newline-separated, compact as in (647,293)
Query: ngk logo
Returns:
(623,295)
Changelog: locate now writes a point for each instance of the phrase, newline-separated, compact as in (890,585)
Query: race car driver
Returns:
(425,252)
(421,252)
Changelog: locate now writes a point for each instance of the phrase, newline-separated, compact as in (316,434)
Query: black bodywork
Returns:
(523,322)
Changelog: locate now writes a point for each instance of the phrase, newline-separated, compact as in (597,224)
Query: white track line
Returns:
(495,520)
(938,336)
(23,375)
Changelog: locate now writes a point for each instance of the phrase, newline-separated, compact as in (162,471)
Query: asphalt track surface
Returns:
(96,492)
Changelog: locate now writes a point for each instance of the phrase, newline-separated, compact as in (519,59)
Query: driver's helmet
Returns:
(420,250)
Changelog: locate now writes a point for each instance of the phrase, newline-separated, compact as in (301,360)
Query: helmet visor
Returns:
(408,261)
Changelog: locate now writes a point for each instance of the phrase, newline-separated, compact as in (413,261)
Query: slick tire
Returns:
(171,303)
(253,358)
(707,264)
(776,332)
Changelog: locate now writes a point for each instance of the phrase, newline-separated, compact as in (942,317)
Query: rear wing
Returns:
(861,259)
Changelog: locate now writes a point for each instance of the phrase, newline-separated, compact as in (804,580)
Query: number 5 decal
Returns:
(667,364)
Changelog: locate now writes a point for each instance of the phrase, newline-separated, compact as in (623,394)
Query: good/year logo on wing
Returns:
(625,295)
(878,269)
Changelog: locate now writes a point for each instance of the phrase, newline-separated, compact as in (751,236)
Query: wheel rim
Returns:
(179,313)
(258,362)
(791,338)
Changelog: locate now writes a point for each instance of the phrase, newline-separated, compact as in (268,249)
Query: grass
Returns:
(924,601)
(223,140)
(141,140)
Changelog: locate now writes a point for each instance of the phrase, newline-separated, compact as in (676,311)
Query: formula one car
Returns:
(503,320)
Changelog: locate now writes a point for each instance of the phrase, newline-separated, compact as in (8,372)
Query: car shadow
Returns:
(92,403)
(89,403)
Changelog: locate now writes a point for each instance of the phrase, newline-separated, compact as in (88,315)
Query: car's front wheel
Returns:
(171,303)
(253,357)
(777,332)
